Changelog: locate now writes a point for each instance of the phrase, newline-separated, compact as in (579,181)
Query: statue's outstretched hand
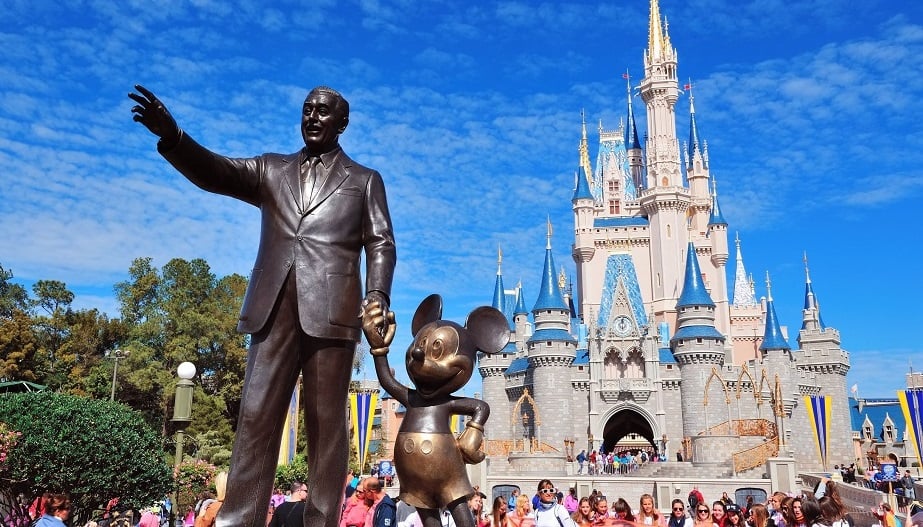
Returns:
(154,116)
(469,443)
(378,327)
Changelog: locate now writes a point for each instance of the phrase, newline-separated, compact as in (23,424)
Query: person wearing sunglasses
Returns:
(548,512)
(678,516)
(703,517)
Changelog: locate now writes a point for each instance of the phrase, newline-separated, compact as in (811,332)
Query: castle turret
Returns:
(777,363)
(492,367)
(718,234)
(551,350)
(697,346)
(633,143)
(824,359)
(745,314)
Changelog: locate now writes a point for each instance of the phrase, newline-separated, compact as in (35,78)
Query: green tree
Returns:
(93,450)
(183,312)
(13,297)
(18,348)
(53,300)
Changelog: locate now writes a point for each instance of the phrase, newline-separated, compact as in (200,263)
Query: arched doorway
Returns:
(629,430)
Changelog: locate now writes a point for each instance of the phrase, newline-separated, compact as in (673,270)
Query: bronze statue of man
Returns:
(319,210)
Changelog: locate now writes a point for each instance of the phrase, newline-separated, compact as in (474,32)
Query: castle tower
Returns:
(582,203)
(665,200)
(718,234)
(492,368)
(697,175)
(521,321)
(551,351)
(778,366)
(745,313)
(698,349)
(633,144)
(822,356)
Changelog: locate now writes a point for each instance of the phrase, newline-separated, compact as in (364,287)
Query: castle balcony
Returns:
(612,390)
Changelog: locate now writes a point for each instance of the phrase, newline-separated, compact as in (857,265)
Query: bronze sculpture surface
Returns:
(320,210)
(430,461)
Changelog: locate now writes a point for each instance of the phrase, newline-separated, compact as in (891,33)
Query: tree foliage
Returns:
(93,450)
(180,312)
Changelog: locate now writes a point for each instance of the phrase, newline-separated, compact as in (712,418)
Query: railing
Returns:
(756,456)
(743,427)
(505,447)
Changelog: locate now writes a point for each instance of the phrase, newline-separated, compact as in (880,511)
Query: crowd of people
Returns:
(551,508)
(601,462)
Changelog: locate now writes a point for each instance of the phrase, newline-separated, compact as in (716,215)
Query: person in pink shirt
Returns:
(355,508)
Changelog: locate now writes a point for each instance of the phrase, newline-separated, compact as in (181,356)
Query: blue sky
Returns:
(811,110)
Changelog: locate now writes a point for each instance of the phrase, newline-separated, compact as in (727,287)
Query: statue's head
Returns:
(324,116)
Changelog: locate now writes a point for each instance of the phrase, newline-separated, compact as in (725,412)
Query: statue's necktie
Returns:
(308,181)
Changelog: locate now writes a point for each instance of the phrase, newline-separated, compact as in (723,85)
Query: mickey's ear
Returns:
(488,329)
(429,310)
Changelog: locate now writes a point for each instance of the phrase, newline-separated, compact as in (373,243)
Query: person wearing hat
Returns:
(733,516)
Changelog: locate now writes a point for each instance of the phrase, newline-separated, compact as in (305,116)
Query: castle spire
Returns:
(812,318)
(520,308)
(549,296)
(655,44)
(743,284)
(693,129)
(499,301)
(694,291)
(716,218)
(584,149)
(772,335)
(631,131)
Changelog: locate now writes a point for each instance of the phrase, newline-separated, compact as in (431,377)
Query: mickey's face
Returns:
(434,362)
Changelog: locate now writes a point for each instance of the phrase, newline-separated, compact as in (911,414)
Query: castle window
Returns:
(867,432)
(698,340)
(889,434)
(548,343)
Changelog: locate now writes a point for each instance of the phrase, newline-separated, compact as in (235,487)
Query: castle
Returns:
(652,349)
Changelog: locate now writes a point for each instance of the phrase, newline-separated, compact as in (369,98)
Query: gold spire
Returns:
(499,260)
(655,46)
(585,152)
(562,279)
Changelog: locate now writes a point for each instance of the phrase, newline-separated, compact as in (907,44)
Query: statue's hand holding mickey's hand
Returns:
(378,327)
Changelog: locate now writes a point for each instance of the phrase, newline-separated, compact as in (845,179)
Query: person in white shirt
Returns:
(549,513)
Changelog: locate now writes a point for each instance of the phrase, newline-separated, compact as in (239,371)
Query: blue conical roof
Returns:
(772,335)
(520,303)
(583,187)
(694,292)
(499,301)
(716,218)
(631,131)
(549,297)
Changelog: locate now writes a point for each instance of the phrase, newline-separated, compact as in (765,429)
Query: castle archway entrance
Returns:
(628,430)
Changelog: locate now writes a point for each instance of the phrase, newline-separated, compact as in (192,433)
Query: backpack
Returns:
(695,497)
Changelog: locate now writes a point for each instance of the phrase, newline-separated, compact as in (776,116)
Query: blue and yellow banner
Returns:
(819,410)
(912,405)
(361,414)
(290,431)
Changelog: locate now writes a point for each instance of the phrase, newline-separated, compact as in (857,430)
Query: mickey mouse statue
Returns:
(430,460)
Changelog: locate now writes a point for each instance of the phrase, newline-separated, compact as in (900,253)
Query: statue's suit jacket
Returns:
(321,243)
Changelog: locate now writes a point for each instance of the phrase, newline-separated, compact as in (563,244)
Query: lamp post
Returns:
(115,355)
(182,416)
